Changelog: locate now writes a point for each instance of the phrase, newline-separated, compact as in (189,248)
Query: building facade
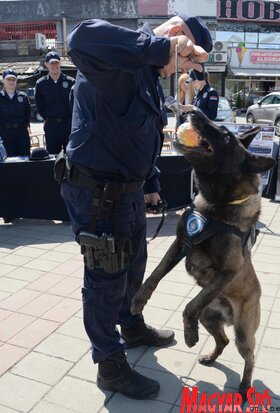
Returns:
(246,34)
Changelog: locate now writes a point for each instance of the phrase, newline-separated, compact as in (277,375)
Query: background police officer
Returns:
(14,116)
(116,136)
(207,98)
(52,100)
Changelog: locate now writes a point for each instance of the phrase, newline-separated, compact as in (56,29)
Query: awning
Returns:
(256,72)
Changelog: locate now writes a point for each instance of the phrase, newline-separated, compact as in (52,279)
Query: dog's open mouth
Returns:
(190,138)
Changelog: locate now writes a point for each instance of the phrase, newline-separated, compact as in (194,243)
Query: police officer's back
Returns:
(207,98)
(14,116)
(52,100)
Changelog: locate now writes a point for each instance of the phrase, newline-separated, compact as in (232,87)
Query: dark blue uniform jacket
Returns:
(52,98)
(15,110)
(117,116)
(207,100)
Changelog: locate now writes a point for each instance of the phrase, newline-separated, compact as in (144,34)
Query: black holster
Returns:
(104,252)
(59,167)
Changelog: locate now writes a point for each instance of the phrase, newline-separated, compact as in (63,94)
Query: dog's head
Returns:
(220,154)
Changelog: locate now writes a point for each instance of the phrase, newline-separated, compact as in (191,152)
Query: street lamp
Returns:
(64,34)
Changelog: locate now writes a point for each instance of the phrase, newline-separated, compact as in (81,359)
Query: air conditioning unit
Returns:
(41,41)
(219,46)
(220,57)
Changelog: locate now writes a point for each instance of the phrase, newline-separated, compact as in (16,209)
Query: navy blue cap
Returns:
(9,73)
(195,75)
(199,31)
(39,154)
(52,57)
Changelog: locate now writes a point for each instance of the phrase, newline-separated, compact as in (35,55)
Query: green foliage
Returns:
(239,102)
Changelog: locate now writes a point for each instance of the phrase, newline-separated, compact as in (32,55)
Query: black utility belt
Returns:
(13,125)
(57,120)
(83,177)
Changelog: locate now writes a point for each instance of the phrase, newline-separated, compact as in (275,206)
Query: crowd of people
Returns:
(118,118)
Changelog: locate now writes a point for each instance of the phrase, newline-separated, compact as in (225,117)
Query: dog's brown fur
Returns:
(231,291)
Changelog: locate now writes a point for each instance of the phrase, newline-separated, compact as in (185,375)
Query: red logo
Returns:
(220,402)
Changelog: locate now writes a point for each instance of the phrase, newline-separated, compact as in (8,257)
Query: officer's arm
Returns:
(39,99)
(96,45)
(211,109)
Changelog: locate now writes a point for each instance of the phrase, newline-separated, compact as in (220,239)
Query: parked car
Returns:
(35,116)
(225,112)
(267,110)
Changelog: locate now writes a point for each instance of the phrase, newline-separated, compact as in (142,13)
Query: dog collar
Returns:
(239,201)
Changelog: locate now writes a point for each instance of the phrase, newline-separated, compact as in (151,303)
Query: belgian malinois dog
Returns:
(214,236)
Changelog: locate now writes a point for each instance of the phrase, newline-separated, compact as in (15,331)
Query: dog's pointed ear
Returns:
(247,137)
(258,164)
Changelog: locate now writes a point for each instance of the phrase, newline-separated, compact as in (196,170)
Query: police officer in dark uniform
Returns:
(52,100)
(115,140)
(207,98)
(14,116)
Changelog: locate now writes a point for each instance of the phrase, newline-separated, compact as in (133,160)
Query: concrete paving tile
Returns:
(267,258)
(264,317)
(77,295)
(221,373)
(274,321)
(165,301)
(85,369)
(271,338)
(44,407)
(174,288)
(276,305)
(170,385)
(4,313)
(9,356)
(168,360)
(11,285)
(7,248)
(4,409)
(69,267)
(78,395)
(268,357)
(269,290)
(64,347)
(265,266)
(46,281)
(14,259)
(25,274)
(4,295)
(74,327)
(267,303)
(34,333)
(121,404)
(134,354)
(46,245)
(12,325)
(156,317)
(42,368)
(63,310)
(40,264)
(31,252)
(19,299)
(269,278)
(56,256)
(266,379)
(66,286)
(41,304)
(27,394)
(68,247)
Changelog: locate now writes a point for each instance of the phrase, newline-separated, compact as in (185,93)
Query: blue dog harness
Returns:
(198,228)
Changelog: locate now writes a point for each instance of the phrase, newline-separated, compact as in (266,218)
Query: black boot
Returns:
(143,334)
(115,374)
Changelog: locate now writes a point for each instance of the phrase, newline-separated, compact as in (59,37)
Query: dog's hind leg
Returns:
(245,329)
(173,256)
(213,320)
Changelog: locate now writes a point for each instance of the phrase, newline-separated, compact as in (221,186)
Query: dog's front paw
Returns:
(190,330)
(138,304)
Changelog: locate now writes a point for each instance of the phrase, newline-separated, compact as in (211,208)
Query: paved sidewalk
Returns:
(45,364)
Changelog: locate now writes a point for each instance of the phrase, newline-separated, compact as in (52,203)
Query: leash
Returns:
(160,208)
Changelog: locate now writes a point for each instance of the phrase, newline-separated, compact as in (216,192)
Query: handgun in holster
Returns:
(59,167)
(103,252)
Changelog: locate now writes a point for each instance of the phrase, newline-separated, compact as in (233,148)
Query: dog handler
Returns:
(115,140)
